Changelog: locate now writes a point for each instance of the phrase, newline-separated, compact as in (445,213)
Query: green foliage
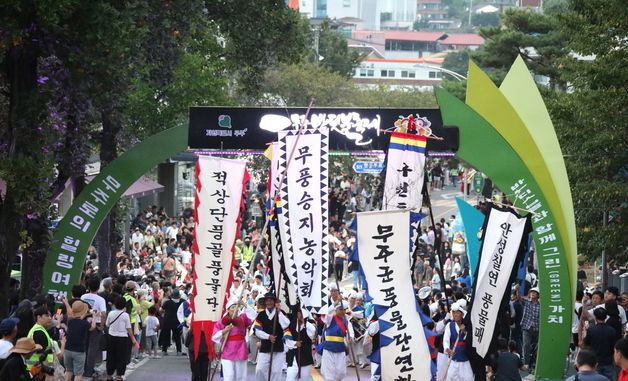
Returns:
(336,55)
(457,61)
(591,123)
(485,19)
(258,36)
(536,37)
(298,84)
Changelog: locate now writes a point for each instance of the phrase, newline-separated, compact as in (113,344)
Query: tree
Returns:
(457,61)
(334,52)
(537,37)
(257,38)
(485,19)
(591,123)
(297,84)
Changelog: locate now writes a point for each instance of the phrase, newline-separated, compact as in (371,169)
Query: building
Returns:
(431,10)
(421,73)
(374,14)
(404,44)
(461,41)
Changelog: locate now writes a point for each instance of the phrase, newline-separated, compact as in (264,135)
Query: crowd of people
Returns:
(111,322)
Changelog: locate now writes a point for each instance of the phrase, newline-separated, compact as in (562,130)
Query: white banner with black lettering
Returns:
(304,203)
(404,172)
(502,238)
(219,196)
(383,246)
(282,261)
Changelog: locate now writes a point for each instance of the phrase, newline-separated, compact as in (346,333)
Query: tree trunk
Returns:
(106,237)
(9,244)
(21,77)
(34,257)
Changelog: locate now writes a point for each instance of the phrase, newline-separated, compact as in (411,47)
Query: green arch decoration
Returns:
(483,147)
(534,148)
(77,229)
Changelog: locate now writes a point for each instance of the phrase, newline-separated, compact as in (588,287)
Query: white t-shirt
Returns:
(96,302)
(185,257)
(151,325)
(118,327)
(5,348)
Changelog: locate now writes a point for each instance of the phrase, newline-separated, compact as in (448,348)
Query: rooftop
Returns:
(463,39)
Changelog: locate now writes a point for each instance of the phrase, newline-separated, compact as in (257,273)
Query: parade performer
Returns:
(230,332)
(459,368)
(303,332)
(358,321)
(333,367)
(372,331)
(269,328)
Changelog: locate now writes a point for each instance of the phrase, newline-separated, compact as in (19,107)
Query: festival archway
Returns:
(505,133)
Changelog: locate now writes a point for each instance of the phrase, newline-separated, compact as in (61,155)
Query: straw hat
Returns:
(26,345)
(80,308)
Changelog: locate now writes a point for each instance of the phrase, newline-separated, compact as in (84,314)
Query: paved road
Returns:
(177,368)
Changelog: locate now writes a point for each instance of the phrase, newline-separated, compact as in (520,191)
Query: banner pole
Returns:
(273,194)
(428,201)
(355,366)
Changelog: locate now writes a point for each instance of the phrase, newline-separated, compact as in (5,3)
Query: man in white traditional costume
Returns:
(270,325)
(337,328)
(459,367)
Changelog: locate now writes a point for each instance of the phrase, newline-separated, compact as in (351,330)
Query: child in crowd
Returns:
(152,329)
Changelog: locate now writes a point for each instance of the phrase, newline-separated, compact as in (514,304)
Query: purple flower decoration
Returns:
(43,79)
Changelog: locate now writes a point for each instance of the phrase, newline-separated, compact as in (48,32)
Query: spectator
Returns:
(75,348)
(15,368)
(600,338)
(586,363)
(119,340)
(8,331)
(620,356)
(508,362)
(99,307)
(530,325)
(152,330)
(170,327)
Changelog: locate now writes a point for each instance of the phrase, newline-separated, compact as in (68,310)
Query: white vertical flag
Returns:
(404,172)
(219,186)
(304,204)
(383,250)
(502,238)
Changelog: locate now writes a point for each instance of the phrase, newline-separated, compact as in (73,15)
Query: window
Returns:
(385,16)
(370,73)
(346,3)
(388,73)
(435,74)
(362,72)
(407,74)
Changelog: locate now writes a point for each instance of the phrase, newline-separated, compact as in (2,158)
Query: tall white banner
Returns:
(218,199)
(284,288)
(304,203)
(404,172)
(383,251)
(502,238)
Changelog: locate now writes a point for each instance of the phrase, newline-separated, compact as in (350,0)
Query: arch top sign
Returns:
(352,129)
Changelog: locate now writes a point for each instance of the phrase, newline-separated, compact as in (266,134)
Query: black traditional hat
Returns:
(269,295)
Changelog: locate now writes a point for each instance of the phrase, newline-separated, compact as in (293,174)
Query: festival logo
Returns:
(413,124)
(224,121)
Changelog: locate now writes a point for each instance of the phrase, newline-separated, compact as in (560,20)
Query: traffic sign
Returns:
(368,166)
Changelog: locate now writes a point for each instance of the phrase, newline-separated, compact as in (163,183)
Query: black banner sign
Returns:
(350,129)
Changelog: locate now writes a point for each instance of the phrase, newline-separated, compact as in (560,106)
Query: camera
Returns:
(45,368)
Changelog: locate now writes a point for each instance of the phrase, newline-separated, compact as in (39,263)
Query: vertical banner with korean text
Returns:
(383,244)
(404,172)
(503,235)
(304,204)
(219,187)
(281,261)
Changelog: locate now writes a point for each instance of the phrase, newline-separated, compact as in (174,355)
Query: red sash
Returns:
(341,325)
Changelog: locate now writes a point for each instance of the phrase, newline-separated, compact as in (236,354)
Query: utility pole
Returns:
(604,257)
(470,10)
